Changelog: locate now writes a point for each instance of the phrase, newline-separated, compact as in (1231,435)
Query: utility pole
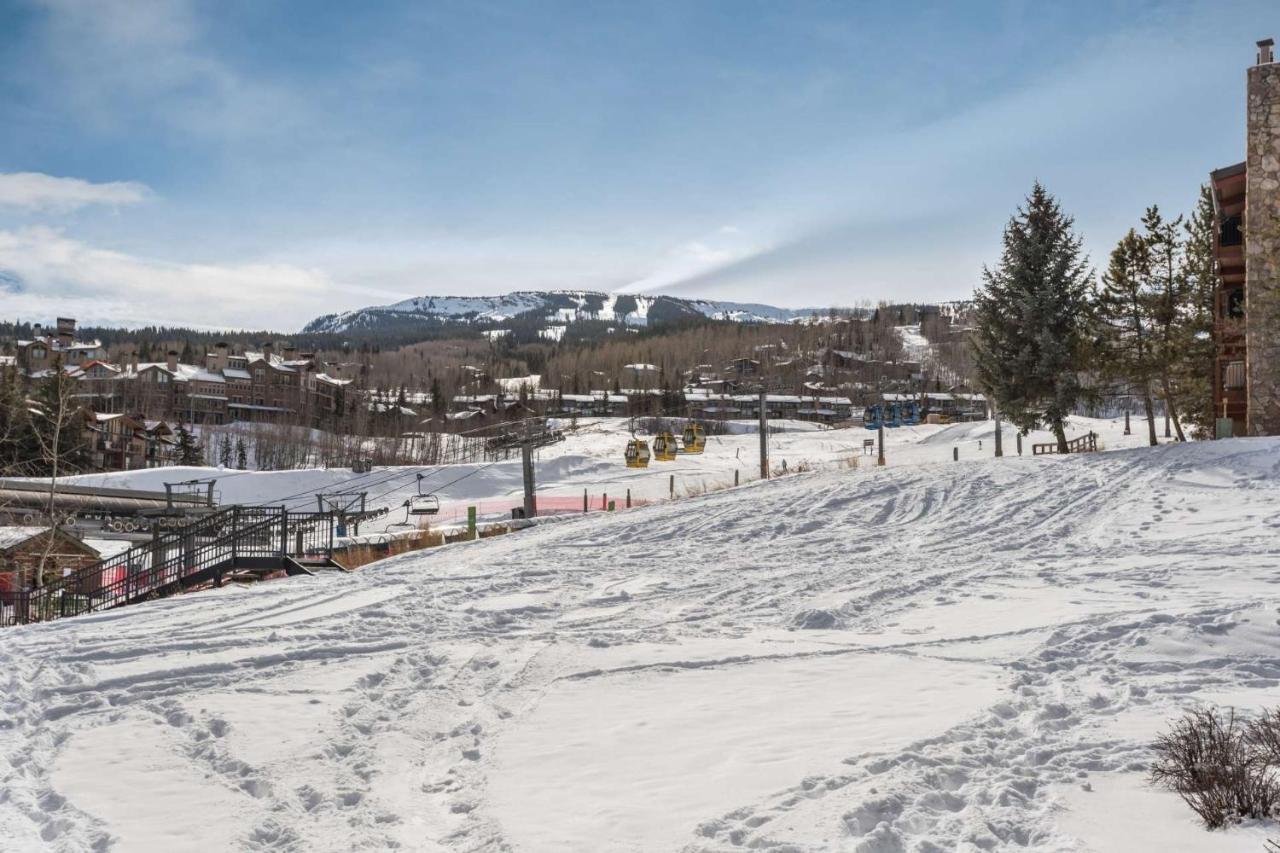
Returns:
(999,438)
(880,424)
(530,498)
(764,435)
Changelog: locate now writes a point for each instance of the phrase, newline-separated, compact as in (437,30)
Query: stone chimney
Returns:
(1262,242)
(66,331)
(219,356)
(290,352)
(171,361)
(266,351)
(37,331)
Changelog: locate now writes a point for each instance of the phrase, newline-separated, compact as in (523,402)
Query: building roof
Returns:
(11,537)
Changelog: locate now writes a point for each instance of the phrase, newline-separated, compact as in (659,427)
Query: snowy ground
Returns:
(930,657)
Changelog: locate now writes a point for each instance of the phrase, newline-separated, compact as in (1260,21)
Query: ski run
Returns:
(931,656)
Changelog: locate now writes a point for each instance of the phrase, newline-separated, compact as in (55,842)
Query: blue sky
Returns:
(258,163)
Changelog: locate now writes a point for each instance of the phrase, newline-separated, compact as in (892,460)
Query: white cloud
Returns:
(58,275)
(38,191)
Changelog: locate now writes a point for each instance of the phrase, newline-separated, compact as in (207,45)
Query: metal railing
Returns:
(201,552)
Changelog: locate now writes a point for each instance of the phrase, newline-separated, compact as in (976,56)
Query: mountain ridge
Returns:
(554,307)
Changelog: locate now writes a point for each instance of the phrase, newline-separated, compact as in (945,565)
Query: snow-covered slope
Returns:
(941,656)
(552,306)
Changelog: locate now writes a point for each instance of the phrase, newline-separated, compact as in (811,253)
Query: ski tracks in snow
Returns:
(364,711)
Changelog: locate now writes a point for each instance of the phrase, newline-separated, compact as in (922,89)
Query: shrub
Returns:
(1223,768)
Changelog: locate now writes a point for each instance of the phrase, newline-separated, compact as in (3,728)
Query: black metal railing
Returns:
(198,553)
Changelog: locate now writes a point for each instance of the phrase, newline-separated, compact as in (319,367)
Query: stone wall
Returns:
(1262,249)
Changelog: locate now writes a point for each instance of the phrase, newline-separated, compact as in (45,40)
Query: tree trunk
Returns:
(999,442)
(1171,408)
(1151,415)
(1060,431)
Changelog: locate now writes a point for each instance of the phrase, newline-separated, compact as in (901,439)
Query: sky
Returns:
(256,163)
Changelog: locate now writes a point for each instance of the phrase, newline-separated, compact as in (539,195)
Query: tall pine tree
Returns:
(189,450)
(1126,341)
(1167,290)
(1193,369)
(1032,316)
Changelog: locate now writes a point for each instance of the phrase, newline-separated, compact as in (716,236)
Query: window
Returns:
(1233,376)
(1235,303)
(1229,234)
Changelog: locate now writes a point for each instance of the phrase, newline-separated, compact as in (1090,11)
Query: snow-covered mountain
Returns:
(552,307)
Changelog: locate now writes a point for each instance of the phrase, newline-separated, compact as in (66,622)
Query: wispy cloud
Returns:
(44,272)
(36,191)
(108,57)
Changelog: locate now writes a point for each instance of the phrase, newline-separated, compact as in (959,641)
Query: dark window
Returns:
(1229,234)
(1235,303)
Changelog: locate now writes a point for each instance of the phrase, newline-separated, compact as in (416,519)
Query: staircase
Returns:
(258,540)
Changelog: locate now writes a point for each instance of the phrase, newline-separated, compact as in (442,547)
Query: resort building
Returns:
(1246,389)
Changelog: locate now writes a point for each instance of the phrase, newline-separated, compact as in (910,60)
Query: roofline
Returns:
(1227,172)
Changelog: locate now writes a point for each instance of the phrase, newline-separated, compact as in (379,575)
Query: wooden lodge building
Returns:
(1246,196)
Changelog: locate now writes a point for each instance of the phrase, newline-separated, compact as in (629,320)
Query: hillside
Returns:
(935,657)
(551,308)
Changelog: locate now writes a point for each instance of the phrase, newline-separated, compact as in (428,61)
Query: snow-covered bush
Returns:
(1224,768)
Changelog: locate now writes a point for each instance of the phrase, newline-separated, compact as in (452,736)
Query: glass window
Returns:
(1235,303)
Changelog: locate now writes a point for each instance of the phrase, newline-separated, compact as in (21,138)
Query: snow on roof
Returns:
(11,536)
(513,383)
(189,372)
(236,373)
(641,366)
(256,408)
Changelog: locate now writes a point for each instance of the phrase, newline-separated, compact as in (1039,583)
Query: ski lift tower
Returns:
(184,500)
(343,505)
(533,433)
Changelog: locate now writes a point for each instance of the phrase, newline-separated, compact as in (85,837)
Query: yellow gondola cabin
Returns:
(694,439)
(637,453)
(664,447)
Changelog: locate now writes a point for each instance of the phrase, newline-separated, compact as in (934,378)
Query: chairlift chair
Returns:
(664,447)
(893,417)
(871,416)
(694,439)
(427,504)
(637,453)
(405,522)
